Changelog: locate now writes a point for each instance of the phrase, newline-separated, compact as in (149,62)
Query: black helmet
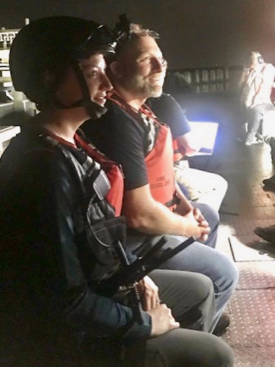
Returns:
(52,44)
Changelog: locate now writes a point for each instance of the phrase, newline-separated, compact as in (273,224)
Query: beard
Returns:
(144,87)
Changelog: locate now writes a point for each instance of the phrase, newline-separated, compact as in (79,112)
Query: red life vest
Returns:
(159,161)
(113,172)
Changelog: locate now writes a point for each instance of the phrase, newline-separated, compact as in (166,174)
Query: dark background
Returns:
(194,33)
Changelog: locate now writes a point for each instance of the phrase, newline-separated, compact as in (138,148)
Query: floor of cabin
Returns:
(252,308)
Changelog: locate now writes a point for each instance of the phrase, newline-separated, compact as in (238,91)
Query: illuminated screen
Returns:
(204,136)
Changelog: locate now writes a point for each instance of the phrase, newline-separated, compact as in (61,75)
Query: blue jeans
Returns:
(200,258)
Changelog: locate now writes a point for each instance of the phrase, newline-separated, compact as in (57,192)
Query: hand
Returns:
(198,216)
(196,226)
(149,294)
(192,150)
(162,320)
(202,223)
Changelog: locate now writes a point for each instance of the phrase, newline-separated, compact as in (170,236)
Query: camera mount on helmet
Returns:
(122,27)
(125,30)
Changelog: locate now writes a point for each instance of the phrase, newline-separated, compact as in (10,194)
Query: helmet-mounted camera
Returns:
(125,31)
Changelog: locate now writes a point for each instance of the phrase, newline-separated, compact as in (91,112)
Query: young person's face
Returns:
(143,68)
(97,81)
(93,69)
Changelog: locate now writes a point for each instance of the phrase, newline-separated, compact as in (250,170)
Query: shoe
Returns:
(222,325)
(267,233)
(269,183)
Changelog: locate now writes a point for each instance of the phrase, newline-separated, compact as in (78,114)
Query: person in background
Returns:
(256,84)
(58,227)
(201,186)
(130,134)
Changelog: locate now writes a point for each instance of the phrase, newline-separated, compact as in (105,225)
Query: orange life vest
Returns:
(113,172)
(159,161)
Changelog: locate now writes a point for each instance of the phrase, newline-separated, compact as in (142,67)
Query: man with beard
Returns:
(130,134)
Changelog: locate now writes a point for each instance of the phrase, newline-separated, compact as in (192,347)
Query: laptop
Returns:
(204,134)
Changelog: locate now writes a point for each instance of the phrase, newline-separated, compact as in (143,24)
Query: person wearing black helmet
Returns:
(60,224)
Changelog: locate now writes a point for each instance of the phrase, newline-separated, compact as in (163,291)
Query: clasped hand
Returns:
(161,316)
(197,226)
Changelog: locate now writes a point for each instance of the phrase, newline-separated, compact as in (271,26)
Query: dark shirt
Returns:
(169,111)
(40,206)
(123,139)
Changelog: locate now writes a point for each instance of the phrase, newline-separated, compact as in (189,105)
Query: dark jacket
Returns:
(49,268)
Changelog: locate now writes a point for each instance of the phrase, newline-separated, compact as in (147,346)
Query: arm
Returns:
(146,215)
(168,110)
(265,82)
(184,208)
(187,145)
(268,78)
(55,274)
(162,319)
(126,147)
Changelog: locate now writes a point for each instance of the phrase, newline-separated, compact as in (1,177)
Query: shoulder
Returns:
(269,69)
(161,104)
(269,66)
(113,128)
(118,117)
(114,118)
(169,111)
(166,108)
(31,156)
(23,147)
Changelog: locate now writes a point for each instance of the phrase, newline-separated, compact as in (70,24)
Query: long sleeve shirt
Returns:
(40,262)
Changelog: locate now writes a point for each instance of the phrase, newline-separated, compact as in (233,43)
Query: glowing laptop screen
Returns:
(204,136)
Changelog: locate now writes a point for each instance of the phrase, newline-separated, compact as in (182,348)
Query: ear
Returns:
(116,69)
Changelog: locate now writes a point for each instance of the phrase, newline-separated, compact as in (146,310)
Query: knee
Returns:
(230,274)
(215,218)
(233,271)
(234,274)
(176,349)
(211,215)
(203,286)
(223,184)
(220,353)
